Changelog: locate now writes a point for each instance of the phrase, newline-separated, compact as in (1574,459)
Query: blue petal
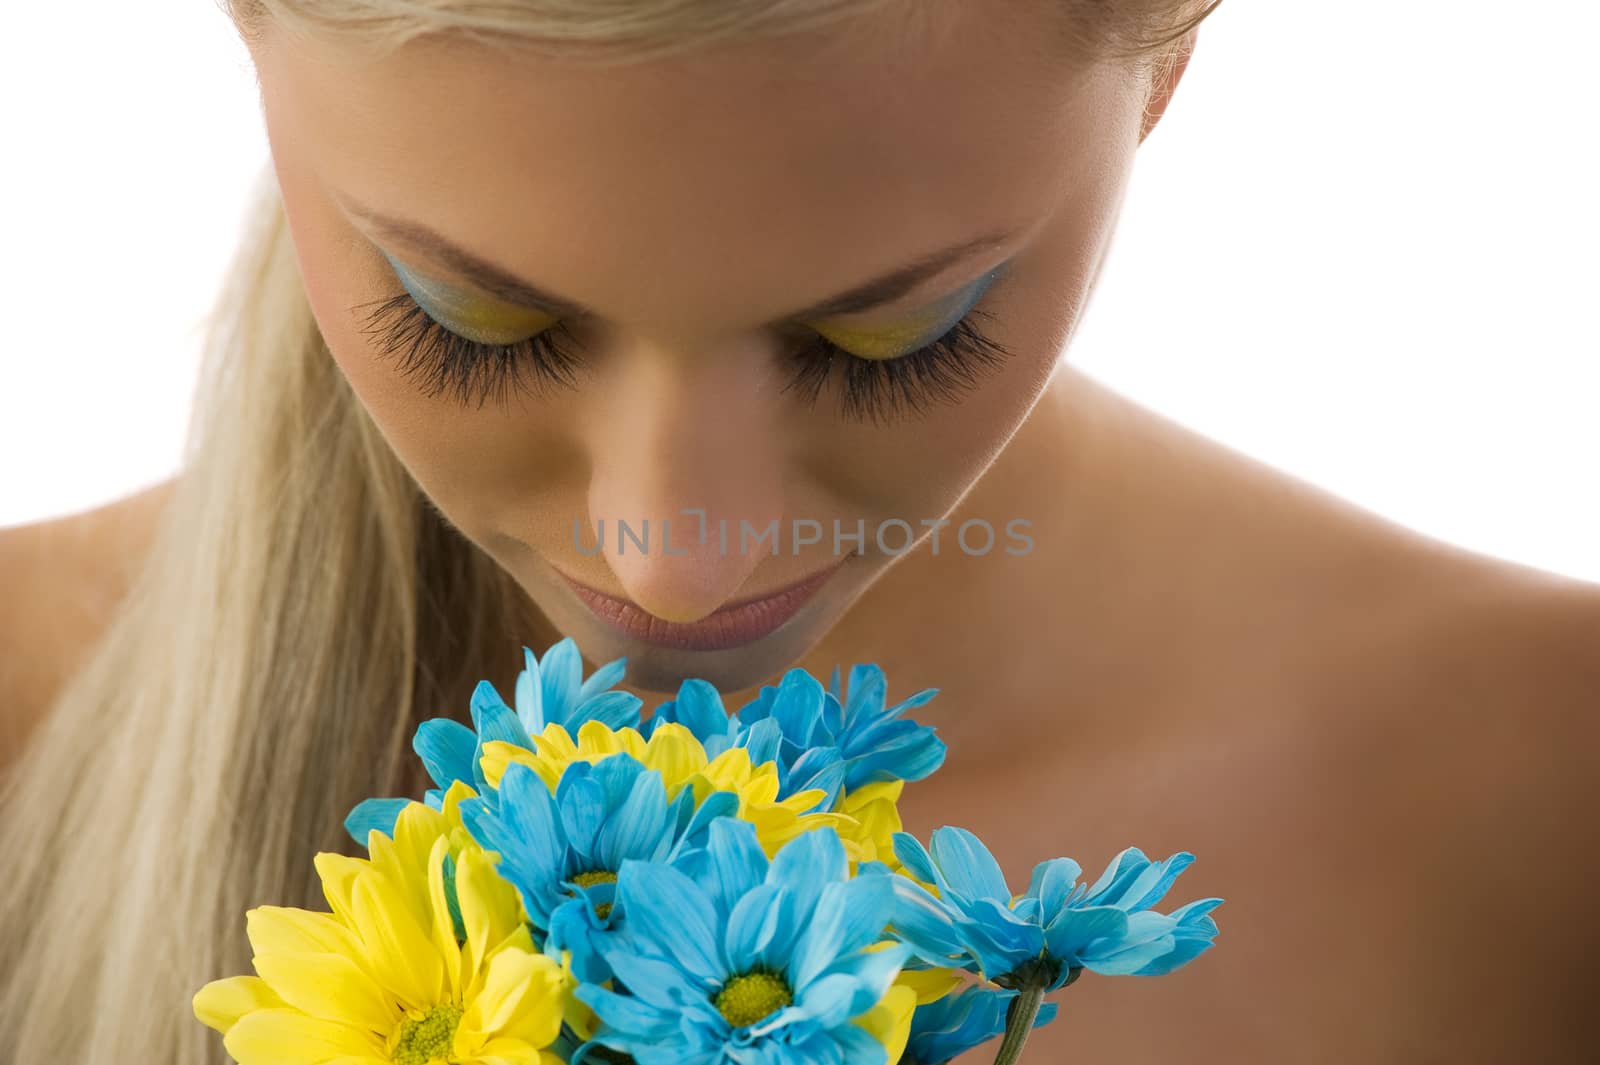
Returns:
(870,973)
(828,1001)
(1072,930)
(928,926)
(581,800)
(868,690)
(574,927)
(752,927)
(601,679)
(821,768)
(850,915)
(857,1046)
(719,805)
(529,695)
(1052,883)
(374,814)
(764,740)
(798,707)
(960,1022)
(446,748)
(560,677)
(656,981)
(699,709)
(737,861)
(969,869)
(1193,937)
(911,703)
(614,710)
(617,773)
(1148,888)
(638,829)
(671,912)
(1003,939)
(807,864)
(626,1015)
(1122,870)
(494,719)
(914,856)
(911,756)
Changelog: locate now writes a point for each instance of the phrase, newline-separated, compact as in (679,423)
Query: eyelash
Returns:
(876,390)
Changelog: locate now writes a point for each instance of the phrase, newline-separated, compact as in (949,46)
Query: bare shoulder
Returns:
(1477,736)
(63,578)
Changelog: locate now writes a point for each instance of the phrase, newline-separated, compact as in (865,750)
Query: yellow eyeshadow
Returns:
(891,342)
(488,325)
(470,316)
(880,343)
(920,330)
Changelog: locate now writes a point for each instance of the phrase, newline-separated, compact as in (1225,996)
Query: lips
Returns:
(731,625)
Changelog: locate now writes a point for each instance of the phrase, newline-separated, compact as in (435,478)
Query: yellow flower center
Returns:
(590,879)
(426,1037)
(749,998)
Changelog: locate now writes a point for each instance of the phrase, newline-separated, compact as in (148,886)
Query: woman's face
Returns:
(649,249)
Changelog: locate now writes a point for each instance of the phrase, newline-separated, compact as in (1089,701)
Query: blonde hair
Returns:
(302,608)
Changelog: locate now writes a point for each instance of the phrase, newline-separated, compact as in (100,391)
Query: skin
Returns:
(1377,744)
(536,166)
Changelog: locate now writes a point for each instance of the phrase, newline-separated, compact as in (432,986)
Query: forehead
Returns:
(746,175)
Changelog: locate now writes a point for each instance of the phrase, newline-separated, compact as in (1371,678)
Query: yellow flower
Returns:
(383,978)
(875,809)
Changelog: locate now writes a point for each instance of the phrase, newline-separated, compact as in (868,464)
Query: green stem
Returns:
(1020,1016)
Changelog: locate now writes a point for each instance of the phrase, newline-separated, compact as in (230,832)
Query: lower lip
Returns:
(733,625)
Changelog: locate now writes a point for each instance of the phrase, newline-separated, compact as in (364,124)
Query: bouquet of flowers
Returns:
(587,887)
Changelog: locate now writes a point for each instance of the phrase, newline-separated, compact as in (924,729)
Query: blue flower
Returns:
(820,742)
(753,962)
(1045,937)
(548,691)
(562,852)
(950,1026)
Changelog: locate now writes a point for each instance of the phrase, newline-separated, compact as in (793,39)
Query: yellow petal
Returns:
(490,910)
(329,986)
(597,741)
(889,1022)
(442,927)
(522,997)
(285,930)
(415,830)
(674,752)
(556,744)
(498,755)
(458,791)
(338,873)
(727,772)
(404,858)
(930,984)
(874,807)
(289,1037)
(221,1003)
(399,953)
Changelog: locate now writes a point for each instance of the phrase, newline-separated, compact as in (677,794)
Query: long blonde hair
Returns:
(302,608)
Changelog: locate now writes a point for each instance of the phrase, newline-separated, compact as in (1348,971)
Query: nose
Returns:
(684,454)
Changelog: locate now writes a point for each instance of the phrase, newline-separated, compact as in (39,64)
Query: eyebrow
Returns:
(505,285)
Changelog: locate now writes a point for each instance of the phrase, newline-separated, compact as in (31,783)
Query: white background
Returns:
(1361,247)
